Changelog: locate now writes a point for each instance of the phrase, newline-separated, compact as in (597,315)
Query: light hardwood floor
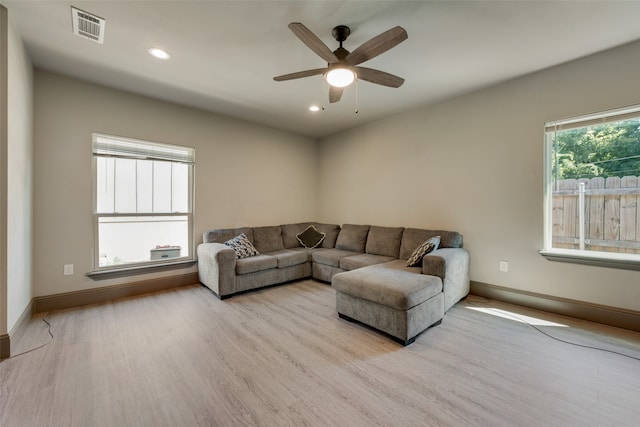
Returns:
(282,357)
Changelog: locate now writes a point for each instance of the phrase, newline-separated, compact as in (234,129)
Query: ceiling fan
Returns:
(342,68)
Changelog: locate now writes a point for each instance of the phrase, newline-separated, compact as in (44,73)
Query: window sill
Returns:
(141,269)
(598,259)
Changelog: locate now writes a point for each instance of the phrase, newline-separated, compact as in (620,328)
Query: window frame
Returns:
(619,260)
(133,267)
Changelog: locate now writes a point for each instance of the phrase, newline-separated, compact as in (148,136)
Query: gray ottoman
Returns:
(400,303)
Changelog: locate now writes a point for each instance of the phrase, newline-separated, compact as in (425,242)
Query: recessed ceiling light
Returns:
(159,53)
(314,108)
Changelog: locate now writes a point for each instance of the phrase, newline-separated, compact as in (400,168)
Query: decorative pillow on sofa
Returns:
(425,247)
(310,237)
(243,246)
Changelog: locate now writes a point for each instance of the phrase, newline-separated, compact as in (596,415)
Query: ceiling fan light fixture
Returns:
(159,53)
(340,77)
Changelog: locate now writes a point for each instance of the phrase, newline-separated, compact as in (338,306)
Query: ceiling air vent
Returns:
(87,25)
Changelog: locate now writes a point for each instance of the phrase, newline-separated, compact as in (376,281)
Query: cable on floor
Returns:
(40,346)
(513,316)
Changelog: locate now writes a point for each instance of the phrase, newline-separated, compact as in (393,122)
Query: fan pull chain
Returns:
(322,93)
(356,96)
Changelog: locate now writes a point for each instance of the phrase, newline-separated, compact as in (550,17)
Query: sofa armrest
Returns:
(217,268)
(452,266)
(433,265)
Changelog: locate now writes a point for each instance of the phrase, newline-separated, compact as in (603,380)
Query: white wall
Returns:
(4,102)
(19,183)
(16,179)
(475,164)
(246,174)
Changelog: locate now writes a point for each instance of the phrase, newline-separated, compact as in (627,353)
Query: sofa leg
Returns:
(396,339)
(437,323)
(404,342)
(220,297)
(345,317)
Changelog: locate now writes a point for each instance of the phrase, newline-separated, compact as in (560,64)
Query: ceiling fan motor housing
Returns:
(341,53)
(340,33)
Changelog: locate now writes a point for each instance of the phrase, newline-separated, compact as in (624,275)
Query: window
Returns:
(592,187)
(143,202)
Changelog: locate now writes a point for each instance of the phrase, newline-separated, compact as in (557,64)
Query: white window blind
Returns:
(609,116)
(110,146)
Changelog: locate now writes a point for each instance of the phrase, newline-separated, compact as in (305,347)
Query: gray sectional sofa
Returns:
(366,264)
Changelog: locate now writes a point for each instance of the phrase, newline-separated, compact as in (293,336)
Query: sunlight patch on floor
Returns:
(516,317)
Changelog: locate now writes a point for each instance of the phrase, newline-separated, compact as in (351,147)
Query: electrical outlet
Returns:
(68,269)
(504,266)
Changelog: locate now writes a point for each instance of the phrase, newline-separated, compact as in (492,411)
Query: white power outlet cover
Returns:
(504,266)
(68,269)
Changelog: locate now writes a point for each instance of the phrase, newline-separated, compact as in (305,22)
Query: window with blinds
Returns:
(143,202)
(592,186)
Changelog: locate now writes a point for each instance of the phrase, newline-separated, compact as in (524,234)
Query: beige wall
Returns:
(472,164)
(475,164)
(246,174)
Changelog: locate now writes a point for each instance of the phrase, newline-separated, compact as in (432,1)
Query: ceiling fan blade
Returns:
(335,93)
(377,45)
(300,74)
(313,42)
(379,77)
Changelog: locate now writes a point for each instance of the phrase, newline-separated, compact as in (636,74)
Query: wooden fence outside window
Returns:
(611,214)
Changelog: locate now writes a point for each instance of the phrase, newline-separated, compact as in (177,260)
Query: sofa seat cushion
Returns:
(289,257)
(401,265)
(390,287)
(331,257)
(362,260)
(255,263)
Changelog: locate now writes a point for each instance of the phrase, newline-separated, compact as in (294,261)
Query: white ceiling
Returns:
(225,53)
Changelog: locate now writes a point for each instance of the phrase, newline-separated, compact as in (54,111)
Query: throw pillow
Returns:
(310,237)
(242,246)
(425,247)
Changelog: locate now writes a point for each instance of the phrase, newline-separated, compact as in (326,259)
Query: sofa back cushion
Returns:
(384,241)
(352,238)
(413,237)
(331,231)
(289,232)
(268,239)
(224,234)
